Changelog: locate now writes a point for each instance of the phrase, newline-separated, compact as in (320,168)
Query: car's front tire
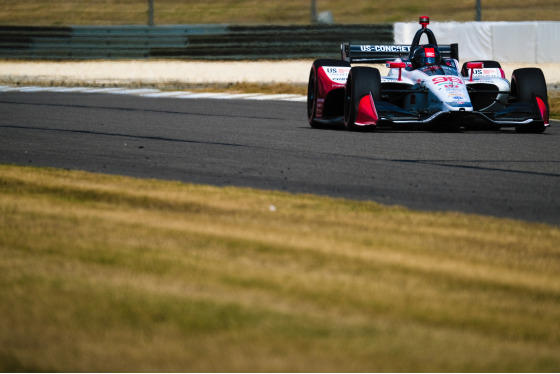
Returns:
(526,83)
(361,82)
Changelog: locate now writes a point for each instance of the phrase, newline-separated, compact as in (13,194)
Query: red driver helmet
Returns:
(426,55)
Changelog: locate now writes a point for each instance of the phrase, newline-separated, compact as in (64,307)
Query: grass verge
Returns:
(106,12)
(554,103)
(233,87)
(108,273)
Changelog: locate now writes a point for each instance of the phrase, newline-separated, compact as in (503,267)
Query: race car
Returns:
(424,88)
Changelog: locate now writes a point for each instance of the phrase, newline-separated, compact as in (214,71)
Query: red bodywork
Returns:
(325,86)
(367,114)
(543,110)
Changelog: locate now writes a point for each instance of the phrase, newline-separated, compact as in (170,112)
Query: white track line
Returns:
(154,93)
(165,94)
(137,91)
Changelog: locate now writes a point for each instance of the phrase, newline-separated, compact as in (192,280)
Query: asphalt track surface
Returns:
(269,145)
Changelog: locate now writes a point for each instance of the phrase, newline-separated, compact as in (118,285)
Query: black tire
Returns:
(312,87)
(527,83)
(487,64)
(361,81)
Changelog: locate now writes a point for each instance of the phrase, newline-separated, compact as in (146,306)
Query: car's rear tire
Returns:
(526,83)
(312,87)
(361,81)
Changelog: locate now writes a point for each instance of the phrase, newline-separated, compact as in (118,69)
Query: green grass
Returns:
(107,273)
(107,12)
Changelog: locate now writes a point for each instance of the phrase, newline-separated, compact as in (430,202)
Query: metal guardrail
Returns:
(213,42)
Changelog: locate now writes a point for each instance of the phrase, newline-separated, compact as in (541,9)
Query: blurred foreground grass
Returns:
(107,273)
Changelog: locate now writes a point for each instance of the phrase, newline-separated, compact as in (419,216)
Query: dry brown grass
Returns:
(107,12)
(234,88)
(106,273)
(554,102)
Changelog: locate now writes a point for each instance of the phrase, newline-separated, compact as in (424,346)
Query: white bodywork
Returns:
(448,91)
(441,88)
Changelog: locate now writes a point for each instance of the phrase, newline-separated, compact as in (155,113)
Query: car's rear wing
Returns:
(380,53)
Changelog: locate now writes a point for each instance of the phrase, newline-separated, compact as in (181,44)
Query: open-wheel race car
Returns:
(424,88)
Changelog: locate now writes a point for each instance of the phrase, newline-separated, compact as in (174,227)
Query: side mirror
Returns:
(396,65)
(474,65)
